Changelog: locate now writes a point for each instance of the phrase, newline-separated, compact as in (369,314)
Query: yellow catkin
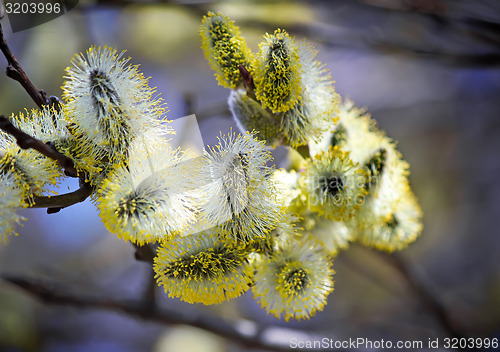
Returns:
(295,281)
(224,48)
(333,185)
(277,72)
(203,268)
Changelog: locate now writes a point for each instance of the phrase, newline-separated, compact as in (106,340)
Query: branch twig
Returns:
(253,337)
(144,253)
(56,203)
(15,71)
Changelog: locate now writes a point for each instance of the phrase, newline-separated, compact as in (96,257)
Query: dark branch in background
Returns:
(219,109)
(25,141)
(437,19)
(455,24)
(15,72)
(440,12)
(332,37)
(251,338)
(432,303)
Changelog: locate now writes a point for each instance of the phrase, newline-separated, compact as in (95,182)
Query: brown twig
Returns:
(56,203)
(253,338)
(246,77)
(25,141)
(144,253)
(15,71)
(149,297)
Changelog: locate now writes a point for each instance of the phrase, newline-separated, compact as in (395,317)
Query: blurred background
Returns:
(428,72)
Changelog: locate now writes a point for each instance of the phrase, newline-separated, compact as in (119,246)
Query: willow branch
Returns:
(144,253)
(56,203)
(253,337)
(429,299)
(149,296)
(15,71)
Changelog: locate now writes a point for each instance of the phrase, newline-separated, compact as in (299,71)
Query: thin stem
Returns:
(246,77)
(248,82)
(15,71)
(144,253)
(149,298)
(55,203)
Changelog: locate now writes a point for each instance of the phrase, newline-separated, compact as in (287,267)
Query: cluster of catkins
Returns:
(224,222)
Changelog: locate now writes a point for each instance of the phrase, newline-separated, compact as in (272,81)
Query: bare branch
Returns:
(144,253)
(255,338)
(55,203)
(15,72)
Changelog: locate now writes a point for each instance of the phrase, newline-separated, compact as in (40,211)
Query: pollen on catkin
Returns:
(354,125)
(47,125)
(386,182)
(333,184)
(295,281)
(316,110)
(334,236)
(391,218)
(277,72)
(108,104)
(395,228)
(32,169)
(150,199)
(203,268)
(240,196)
(13,197)
(224,48)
